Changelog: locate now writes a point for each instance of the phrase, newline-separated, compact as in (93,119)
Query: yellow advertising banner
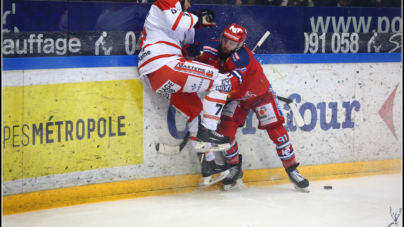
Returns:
(61,128)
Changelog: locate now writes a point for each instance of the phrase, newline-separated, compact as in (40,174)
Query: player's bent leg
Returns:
(181,77)
(284,148)
(213,105)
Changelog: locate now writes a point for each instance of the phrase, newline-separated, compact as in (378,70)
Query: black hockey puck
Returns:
(327,187)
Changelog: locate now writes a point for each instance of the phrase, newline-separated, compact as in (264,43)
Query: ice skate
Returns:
(211,168)
(234,179)
(209,140)
(299,182)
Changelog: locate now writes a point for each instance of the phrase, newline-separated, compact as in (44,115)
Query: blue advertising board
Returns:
(34,16)
(352,19)
(76,28)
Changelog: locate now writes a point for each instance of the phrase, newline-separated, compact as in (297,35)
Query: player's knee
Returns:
(278,134)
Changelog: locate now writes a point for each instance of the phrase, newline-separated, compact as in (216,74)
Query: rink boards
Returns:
(93,130)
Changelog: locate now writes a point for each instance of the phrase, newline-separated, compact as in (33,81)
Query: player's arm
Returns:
(239,65)
(170,16)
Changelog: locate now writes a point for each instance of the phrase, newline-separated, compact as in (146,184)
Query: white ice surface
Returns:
(364,202)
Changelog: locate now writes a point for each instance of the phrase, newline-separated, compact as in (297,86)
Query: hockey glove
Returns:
(192,51)
(205,18)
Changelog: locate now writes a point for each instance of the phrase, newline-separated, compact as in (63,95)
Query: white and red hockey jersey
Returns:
(167,29)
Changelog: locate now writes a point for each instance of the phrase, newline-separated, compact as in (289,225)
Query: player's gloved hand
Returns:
(205,18)
(192,51)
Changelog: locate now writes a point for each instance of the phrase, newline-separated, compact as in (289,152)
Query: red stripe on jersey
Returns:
(210,48)
(211,117)
(192,21)
(177,21)
(143,38)
(167,43)
(157,57)
(165,4)
(215,100)
(209,75)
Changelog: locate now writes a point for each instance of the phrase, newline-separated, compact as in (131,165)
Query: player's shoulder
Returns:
(210,46)
(242,57)
(166,4)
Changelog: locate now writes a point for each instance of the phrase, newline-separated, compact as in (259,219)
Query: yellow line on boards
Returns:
(63,197)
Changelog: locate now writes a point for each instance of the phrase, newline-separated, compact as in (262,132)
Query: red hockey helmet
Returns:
(235,32)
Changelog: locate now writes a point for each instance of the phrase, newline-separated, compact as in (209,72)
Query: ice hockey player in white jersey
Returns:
(168,28)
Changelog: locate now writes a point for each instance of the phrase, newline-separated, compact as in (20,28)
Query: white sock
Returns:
(209,157)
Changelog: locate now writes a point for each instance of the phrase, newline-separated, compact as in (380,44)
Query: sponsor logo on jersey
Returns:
(248,95)
(225,88)
(192,70)
(266,114)
(233,58)
(236,55)
(167,88)
(196,84)
(226,85)
(145,54)
(200,84)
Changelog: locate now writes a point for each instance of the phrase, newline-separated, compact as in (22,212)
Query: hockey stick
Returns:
(261,41)
(167,149)
(295,111)
(296,114)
